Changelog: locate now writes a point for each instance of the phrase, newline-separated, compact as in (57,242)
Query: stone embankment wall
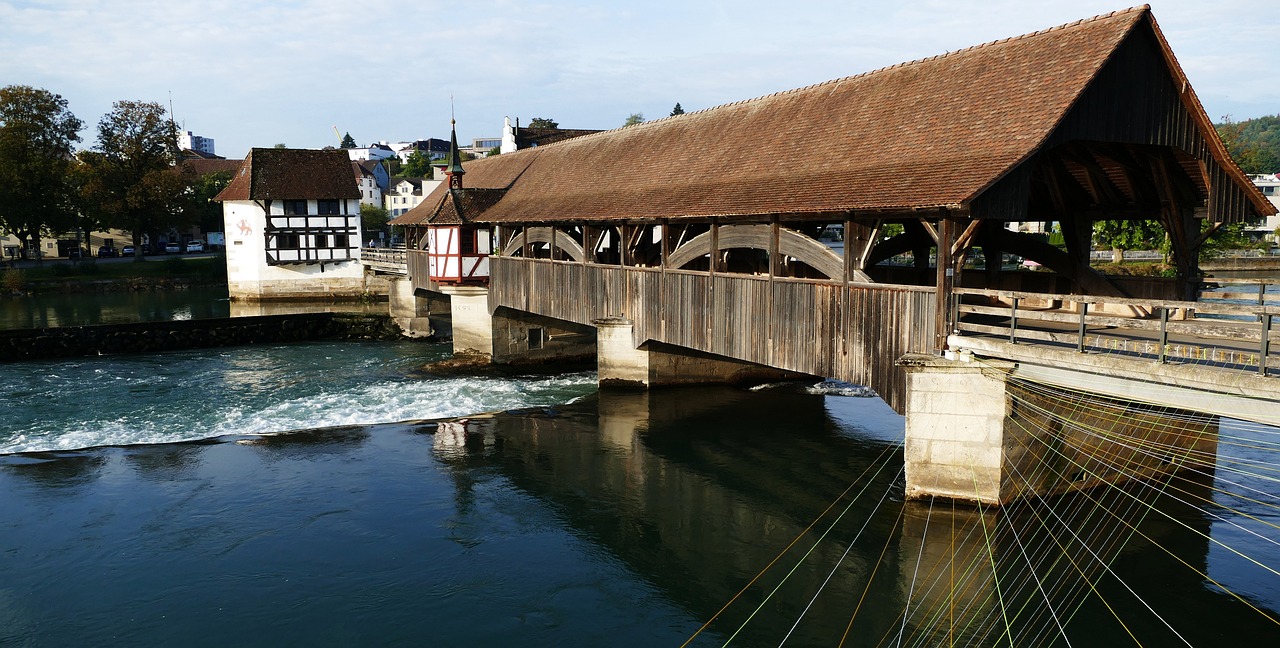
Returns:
(150,337)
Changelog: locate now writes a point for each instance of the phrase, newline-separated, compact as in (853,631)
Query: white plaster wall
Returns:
(249,276)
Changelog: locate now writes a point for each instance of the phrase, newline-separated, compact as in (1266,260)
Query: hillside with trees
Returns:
(1253,143)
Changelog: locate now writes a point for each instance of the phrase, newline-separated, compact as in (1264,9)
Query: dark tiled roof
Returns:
(531,137)
(450,207)
(292,174)
(206,166)
(192,154)
(928,134)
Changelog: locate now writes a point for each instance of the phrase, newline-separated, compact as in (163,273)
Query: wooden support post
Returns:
(624,239)
(1084,312)
(1264,349)
(715,247)
(1164,332)
(851,247)
(945,277)
(1013,322)
(666,242)
(774,265)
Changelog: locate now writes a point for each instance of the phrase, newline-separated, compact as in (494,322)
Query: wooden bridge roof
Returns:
(929,134)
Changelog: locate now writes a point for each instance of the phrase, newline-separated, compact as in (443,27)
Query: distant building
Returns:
(430,148)
(1269,185)
(404,194)
(369,182)
(189,141)
(379,151)
(292,222)
(514,137)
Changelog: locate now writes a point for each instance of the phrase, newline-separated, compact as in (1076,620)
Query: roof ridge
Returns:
(1056,28)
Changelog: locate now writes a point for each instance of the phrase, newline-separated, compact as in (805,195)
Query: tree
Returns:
(373,219)
(348,142)
(204,210)
(633,119)
(1124,235)
(281,145)
(1254,143)
(416,165)
(677,110)
(132,181)
(36,189)
(544,123)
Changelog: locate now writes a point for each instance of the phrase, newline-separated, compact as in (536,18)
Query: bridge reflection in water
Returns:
(699,491)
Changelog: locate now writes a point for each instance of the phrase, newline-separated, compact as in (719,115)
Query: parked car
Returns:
(172,247)
(127,250)
(195,246)
(107,252)
(146,249)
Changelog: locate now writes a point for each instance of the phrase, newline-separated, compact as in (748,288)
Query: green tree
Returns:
(1254,143)
(416,166)
(36,189)
(204,210)
(281,145)
(677,110)
(544,123)
(373,219)
(132,181)
(633,119)
(1124,235)
(348,142)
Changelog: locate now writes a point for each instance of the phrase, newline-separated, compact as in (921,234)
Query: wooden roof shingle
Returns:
(292,174)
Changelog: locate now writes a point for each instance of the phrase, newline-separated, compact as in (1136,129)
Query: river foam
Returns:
(185,396)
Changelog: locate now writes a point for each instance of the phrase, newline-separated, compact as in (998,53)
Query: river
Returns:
(330,494)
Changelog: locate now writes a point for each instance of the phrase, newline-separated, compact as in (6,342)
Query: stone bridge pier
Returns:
(977,432)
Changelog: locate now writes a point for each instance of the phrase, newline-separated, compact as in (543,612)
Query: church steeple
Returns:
(454,170)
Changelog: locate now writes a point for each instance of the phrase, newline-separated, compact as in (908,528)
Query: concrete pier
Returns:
(976,433)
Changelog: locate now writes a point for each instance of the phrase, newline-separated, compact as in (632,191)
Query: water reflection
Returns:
(48,310)
(700,490)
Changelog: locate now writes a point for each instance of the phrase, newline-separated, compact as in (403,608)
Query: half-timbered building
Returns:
(292,220)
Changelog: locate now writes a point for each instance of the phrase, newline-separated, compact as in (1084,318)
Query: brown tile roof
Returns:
(933,133)
(206,166)
(444,207)
(292,174)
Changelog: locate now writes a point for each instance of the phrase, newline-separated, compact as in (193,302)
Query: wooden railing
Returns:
(386,260)
(1221,331)
(852,332)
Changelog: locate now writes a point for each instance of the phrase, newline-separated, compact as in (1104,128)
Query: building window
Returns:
(327,207)
(295,208)
(338,241)
(287,241)
(467,242)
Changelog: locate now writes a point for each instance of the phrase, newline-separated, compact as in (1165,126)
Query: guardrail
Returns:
(394,260)
(1221,332)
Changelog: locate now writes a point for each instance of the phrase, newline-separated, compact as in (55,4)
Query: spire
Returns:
(454,170)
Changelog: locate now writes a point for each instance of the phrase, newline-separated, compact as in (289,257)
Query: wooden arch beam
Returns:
(759,237)
(561,241)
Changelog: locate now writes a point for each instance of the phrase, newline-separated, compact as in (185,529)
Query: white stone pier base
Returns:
(975,433)
(472,322)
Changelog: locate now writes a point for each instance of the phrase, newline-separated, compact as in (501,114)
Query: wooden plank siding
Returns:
(852,332)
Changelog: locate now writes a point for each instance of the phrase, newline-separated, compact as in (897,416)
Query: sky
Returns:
(289,71)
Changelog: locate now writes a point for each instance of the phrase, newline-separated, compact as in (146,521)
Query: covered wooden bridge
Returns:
(714,231)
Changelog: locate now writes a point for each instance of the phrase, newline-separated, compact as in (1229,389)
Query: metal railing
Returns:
(1223,333)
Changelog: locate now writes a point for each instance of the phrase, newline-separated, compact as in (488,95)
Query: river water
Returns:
(329,494)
